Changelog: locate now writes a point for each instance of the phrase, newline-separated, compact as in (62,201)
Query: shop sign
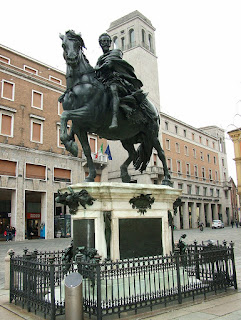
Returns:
(33,215)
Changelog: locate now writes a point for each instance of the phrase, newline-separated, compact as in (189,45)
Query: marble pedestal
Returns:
(114,198)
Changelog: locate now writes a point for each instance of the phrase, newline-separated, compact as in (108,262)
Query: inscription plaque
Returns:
(140,237)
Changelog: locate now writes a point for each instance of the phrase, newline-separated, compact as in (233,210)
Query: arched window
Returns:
(143,36)
(115,43)
(123,43)
(150,42)
(132,38)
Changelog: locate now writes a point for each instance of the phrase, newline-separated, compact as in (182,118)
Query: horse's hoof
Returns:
(89,179)
(167,182)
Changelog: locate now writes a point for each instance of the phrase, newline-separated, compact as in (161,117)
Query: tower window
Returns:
(132,38)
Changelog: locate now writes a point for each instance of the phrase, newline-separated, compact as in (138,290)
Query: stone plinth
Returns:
(113,198)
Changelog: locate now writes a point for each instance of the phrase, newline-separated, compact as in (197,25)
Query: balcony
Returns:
(100,160)
(156,172)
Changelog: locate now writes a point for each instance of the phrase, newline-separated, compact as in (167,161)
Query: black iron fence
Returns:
(37,280)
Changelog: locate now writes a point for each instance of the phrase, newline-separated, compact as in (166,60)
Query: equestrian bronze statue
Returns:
(107,100)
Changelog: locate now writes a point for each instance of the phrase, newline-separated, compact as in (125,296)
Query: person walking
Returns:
(232,223)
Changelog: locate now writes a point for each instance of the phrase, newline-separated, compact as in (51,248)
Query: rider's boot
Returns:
(116,102)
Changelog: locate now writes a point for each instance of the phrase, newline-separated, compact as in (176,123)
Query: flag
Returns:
(100,151)
(107,151)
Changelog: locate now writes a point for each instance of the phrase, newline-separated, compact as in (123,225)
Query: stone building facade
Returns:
(197,161)
(33,162)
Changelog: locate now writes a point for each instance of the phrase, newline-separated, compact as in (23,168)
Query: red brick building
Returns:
(33,162)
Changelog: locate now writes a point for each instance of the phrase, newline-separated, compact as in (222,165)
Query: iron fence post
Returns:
(97,268)
(196,256)
(177,258)
(234,268)
(52,293)
(11,276)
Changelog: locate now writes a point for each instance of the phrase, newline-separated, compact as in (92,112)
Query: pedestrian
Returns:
(232,223)
(236,223)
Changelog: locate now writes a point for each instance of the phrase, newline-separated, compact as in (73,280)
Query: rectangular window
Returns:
(37,100)
(154,159)
(177,147)
(186,150)
(36,131)
(194,153)
(189,189)
(188,169)
(197,190)
(30,69)
(195,171)
(222,162)
(4,59)
(200,139)
(203,173)
(218,192)
(93,144)
(208,157)
(166,125)
(193,136)
(214,160)
(204,191)
(8,168)
(56,80)
(63,175)
(211,192)
(201,155)
(6,123)
(176,129)
(169,164)
(210,174)
(167,144)
(185,133)
(8,90)
(179,186)
(34,171)
(216,175)
(207,142)
(179,166)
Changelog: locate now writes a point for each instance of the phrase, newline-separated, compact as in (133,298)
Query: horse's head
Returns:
(72,43)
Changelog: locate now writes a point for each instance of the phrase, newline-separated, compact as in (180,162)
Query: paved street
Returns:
(225,306)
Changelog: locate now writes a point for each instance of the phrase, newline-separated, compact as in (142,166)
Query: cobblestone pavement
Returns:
(225,306)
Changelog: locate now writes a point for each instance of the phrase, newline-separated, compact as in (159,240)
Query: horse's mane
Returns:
(77,36)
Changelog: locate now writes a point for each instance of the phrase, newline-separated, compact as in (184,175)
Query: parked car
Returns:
(217,224)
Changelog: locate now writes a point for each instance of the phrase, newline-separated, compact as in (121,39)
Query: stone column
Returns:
(215,212)
(201,213)
(194,214)
(100,242)
(185,215)
(13,208)
(44,213)
(177,219)
(20,211)
(114,242)
(209,214)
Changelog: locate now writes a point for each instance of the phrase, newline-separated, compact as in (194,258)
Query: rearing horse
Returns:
(88,105)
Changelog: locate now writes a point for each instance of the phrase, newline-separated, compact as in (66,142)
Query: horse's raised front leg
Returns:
(67,139)
(83,138)
(162,157)
(125,177)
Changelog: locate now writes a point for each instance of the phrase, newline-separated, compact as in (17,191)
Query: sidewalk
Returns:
(223,306)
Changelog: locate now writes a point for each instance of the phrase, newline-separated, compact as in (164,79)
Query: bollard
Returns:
(73,297)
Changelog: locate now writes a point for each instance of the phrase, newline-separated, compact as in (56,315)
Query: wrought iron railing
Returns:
(37,280)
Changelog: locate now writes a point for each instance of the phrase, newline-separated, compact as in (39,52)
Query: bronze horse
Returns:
(88,105)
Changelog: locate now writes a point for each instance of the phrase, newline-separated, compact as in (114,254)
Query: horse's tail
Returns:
(144,150)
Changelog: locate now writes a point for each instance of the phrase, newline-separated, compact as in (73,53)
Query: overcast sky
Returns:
(198,44)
